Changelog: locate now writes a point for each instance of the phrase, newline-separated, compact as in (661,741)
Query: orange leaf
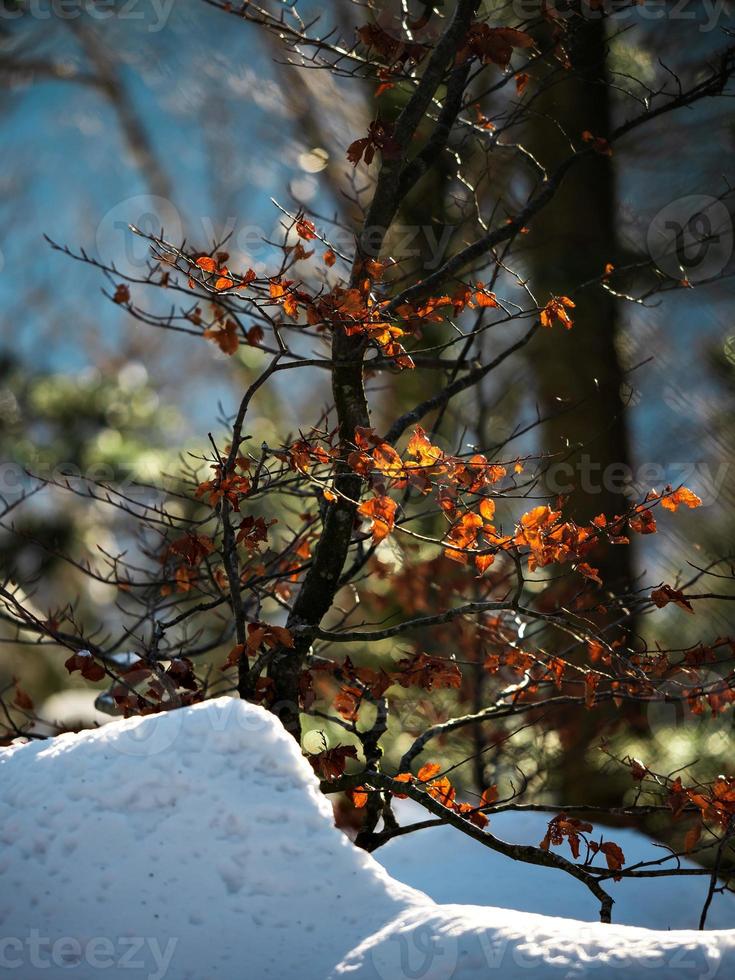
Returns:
(290,306)
(672,501)
(484,298)
(382,511)
(383,87)
(643,521)
(489,796)
(442,790)
(305,230)
(463,536)
(193,548)
(233,657)
(593,574)
(283,636)
(487,508)
(666,594)
(483,562)
(556,309)
(428,771)
(359,797)
(431,673)
(330,764)
(692,837)
(613,855)
(206,264)
(279,291)
(84,662)
(493,45)
(480,820)
(226,338)
(591,683)
(347,702)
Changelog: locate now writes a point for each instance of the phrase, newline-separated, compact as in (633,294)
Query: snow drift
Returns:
(196,842)
(470,942)
(196,845)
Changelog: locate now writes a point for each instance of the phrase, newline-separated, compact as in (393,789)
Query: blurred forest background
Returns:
(171,115)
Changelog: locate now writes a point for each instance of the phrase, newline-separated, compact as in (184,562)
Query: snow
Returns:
(195,845)
(470,942)
(196,842)
(461,872)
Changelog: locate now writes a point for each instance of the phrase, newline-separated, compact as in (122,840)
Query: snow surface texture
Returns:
(198,836)
(470,942)
(195,845)
(460,872)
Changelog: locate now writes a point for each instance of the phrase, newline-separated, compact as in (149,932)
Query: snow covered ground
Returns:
(195,845)
(470,942)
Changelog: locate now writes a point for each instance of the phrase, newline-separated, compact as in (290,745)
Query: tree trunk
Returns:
(571,242)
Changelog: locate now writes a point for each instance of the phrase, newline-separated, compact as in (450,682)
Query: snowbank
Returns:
(469,942)
(460,872)
(195,846)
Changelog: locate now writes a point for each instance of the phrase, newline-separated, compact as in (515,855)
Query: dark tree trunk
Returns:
(571,241)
